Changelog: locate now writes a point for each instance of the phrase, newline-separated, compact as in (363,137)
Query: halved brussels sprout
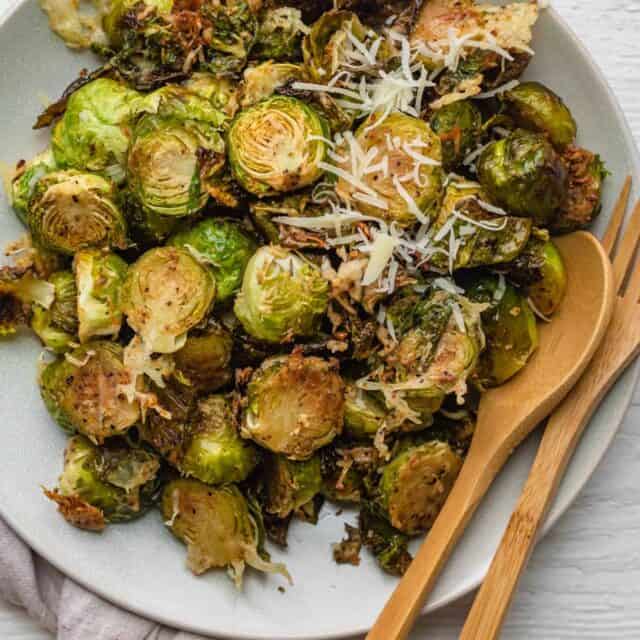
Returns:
(540,270)
(276,145)
(166,293)
(280,35)
(537,108)
(116,27)
(235,28)
(214,452)
(416,483)
(485,239)
(295,405)
(218,527)
(221,92)
(170,164)
(323,47)
(204,363)
(364,415)
(224,246)
(263,80)
(405,180)
(25,180)
(584,198)
(282,296)
(111,483)
(70,210)
(94,132)
(510,328)
(290,485)
(440,341)
(19,290)
(459,127)
(57,326)
(524,174)
(83,391)
(99,278)
(344,471)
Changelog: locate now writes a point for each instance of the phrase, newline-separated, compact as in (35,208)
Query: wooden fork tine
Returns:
(628,245)
(617,218)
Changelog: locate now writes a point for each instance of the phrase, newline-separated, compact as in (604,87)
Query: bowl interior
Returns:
(140,566)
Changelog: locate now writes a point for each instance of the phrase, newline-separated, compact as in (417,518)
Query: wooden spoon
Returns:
(508,414)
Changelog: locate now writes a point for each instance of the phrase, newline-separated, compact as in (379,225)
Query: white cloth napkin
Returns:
(63,607)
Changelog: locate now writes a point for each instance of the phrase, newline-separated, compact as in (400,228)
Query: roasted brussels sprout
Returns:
(83,391)
(19,290)
(364,415)
(290,485)
(276,145)
(166,293)
(440,341)
(280,35)
(405,180)
(263,80)
(524,174)
(94,132)
(25,180)
(111,483)
(295,405)
(220,91)
(283,296)
(459,127)
(415,484)
(324,46)
(114,22)
(540,270)
(57,326)
(170,163)
(218,527)
(99,279)
(70,210)
(214,452)
(584,197)
(204,363)
(510,329)
(537,108)
(224,246)
(485,239)
(388,545)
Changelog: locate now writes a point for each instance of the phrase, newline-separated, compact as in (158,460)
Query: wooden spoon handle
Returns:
(559,441)
(399,614)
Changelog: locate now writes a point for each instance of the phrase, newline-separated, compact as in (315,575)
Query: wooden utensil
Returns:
(620,347)
(508,414)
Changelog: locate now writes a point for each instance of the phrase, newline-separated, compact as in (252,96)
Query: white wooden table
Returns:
(583,581)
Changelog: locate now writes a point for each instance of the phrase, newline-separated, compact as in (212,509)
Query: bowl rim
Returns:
(472,582)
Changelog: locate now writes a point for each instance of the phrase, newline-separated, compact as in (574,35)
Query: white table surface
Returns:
(583,581)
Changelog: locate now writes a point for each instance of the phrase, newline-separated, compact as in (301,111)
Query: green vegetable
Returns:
(224,246)
(99,279)
(459,127)
(57,326)
(280,35)
(510,329)
(282,296)
(214,451)
(524,174)
(275,145)
(25,180)
(364,415)
(166,293)
(218,527)
(290,485)
(416,483)
(537,108)
(263,80)
(84,391)
(110,483)
(295,405)
(70,211)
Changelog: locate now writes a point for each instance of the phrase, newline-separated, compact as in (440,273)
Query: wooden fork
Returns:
(620,347)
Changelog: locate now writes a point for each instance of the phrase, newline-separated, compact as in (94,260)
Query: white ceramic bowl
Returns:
(140,566)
